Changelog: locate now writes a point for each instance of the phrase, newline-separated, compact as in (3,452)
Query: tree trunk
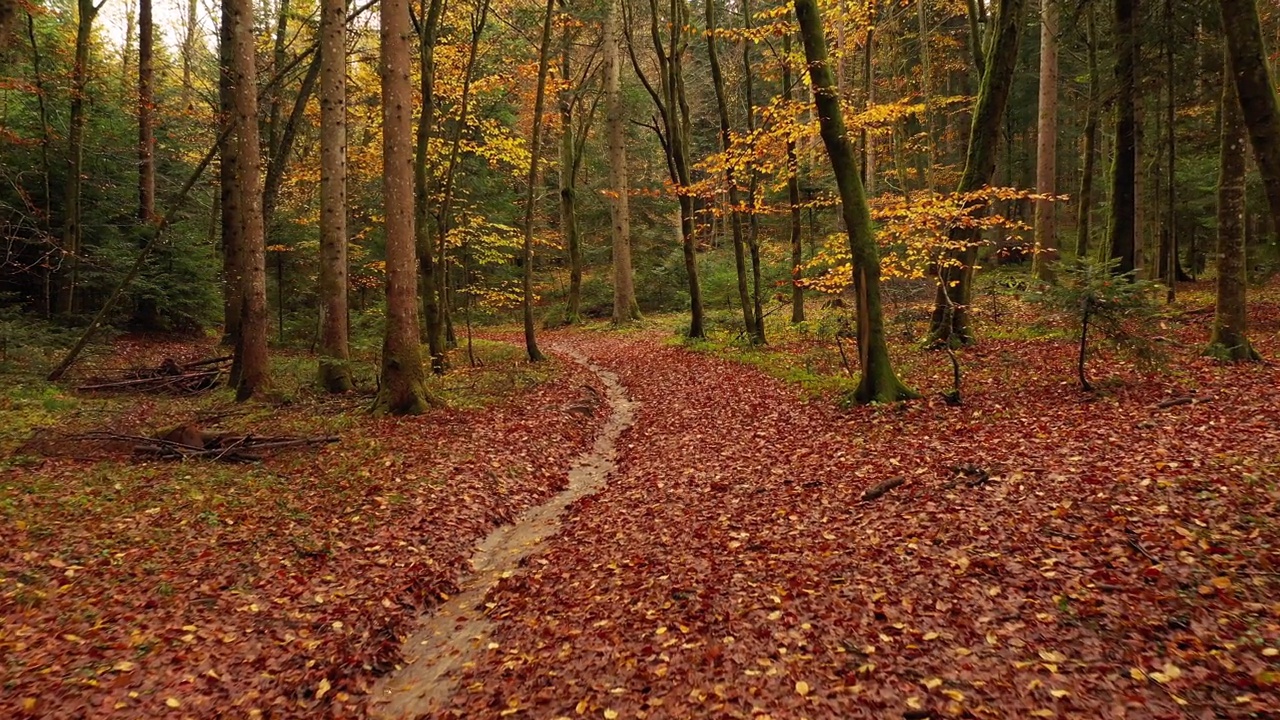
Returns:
(1046,237)
(228,171)
(950,321)
(879,383)
(793,196)
(625,307)
(432,280)
(535,149)
(1249,64)
(283,147)
(401,388)
(1084,210)
(146,100)
(250,361)
(568,211)
(735,199)
(1122,231)
(1229,338)
(191,25)
(71,230)
(753,186)
(334,372)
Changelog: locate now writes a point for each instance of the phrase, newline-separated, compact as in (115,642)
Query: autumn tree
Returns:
(401,387)
(879,383)
(793,197)
(535,146)
(625,307)
(335,354)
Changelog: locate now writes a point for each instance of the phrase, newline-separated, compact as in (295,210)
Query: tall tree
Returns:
(72,233)
(1123,227)
(146,101)
(950,321)
(432,273)
(569,168)
(1229,338)
(1046,237)
(753,182)
(249,368)
(401,388)
(228,198)
(335,354)
(535,148)
(793,195)
(1084,207)
(625,307)
(1250,66)
(879,383)
(735,198)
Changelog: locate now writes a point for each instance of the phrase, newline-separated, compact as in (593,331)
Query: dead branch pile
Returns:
(168,378)
(188,442)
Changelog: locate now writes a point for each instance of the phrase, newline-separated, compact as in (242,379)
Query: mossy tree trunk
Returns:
(401,388)
(1229,338)
(334,372)
(950,322)
(1250,68)
(879,383)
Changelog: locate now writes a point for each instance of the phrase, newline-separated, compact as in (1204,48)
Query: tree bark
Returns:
(71,230)
(879,383)
(228,170)
(735,199)
(568,174)
(1084,210)
(793,196)
(334,372)
(430,275)
(1046,232)
(251,372)
(1229,339)
(401,390)
(146,101)
(753,184)
(1249,64)
(535,149)
(1122,231)
(950,321)
(625,308)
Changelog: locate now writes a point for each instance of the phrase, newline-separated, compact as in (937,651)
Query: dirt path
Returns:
(459,631)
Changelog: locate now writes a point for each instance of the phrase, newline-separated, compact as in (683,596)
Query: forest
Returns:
(639,358)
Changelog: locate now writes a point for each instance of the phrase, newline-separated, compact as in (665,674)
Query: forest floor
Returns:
(1050,553)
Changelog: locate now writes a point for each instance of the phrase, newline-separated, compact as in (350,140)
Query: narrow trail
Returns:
(456,632)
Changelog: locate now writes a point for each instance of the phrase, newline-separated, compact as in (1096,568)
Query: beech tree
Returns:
(879,383)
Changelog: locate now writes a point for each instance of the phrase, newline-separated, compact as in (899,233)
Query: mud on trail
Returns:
(455,633)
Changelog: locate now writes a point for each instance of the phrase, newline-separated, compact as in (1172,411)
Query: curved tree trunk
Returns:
(1229,337)
(335,354)
(950,321)
(624,292)
(401,388)
(878,383)
(1249,65)
(1046,237)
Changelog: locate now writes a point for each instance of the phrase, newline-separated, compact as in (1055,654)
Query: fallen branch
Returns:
(1184,400)
(879,489)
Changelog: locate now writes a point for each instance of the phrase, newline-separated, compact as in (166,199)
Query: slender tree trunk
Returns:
(879,383)
(285,136)
(431,271)
(926,79)
(1229,338)
(71,230)
(950,321)
(275,97)
(1168,261)
(793,197)
(753,185)
(1046,232)
(869,90)
(146,101)
(625,307)
(191,26)
(680,138)
(535,148)
(334,372)
(1122,231)
(401,390)
(735,199)
(1084,210)
(251,347)
(568,211)
(228,172)
(1249,65)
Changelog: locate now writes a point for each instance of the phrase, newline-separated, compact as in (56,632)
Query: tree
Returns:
(569,157)
(228,193)
(625,307)
(249,369)
(1229,339)
(433,279)
(1046,238)
(1250,66)
(1084,208)
(146,99)
(879,383)
(793,196)
(535,148)
(401,389)
(72,233)
(1122,229)
(950,321)
(335,355)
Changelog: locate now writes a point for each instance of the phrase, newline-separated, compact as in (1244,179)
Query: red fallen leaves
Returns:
(731,571)
(204,591)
